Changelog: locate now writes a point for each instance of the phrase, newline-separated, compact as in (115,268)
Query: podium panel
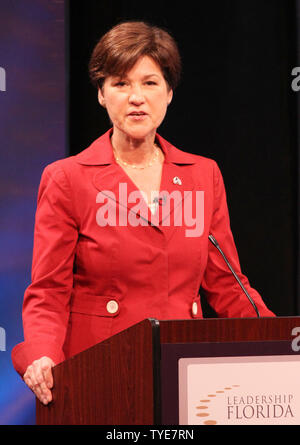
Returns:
(111,383)
(173,372)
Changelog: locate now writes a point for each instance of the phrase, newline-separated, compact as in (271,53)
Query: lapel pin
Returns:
(177,180)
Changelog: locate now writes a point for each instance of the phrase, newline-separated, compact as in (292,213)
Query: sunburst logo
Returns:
(206,407)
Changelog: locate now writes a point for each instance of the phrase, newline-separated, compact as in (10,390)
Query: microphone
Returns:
(213,240)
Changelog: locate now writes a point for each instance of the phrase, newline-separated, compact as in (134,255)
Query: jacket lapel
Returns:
(115,184)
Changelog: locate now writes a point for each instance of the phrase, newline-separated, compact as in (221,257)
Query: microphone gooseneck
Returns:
(213,240)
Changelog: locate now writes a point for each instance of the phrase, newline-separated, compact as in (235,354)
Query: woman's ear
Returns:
(170,96)
(101,97)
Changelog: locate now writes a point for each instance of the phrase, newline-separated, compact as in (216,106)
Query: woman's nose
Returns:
(136,97)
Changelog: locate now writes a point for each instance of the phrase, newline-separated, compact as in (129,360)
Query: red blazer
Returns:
(90,281)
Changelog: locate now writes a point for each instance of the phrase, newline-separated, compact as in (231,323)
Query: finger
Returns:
(45,393)
(48,376)
(47,383)
(30,378)
(28,381)
(37,379)
(37,390)
(42,388)
(34,388)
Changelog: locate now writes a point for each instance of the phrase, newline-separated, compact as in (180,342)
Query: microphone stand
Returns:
(213,240)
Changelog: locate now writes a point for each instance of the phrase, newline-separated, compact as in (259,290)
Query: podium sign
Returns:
(254,390)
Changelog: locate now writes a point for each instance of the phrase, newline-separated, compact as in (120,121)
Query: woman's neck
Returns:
(133,150)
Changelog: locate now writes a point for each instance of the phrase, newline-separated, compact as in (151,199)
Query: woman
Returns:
(116,238)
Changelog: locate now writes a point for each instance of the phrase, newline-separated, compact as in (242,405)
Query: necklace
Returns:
(150,163)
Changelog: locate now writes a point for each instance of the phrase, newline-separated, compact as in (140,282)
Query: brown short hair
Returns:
(121,47)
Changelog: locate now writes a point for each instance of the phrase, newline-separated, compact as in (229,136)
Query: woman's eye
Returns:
(120,84)
(123,83)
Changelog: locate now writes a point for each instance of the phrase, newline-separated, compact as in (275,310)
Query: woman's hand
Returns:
(39,378)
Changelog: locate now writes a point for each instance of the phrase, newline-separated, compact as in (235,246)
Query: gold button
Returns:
(112,307)
(195,308)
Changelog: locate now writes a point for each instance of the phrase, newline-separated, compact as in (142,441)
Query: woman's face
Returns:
(137,103)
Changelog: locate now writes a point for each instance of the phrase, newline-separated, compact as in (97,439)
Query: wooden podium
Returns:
(131,378)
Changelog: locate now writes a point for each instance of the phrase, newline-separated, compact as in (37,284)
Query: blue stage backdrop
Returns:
(32,128)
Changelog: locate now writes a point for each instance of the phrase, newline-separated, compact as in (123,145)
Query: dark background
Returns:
(234,104)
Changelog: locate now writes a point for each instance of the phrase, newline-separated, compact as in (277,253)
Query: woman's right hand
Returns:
(39,378)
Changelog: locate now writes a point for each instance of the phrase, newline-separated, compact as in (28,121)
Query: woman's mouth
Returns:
(137,115)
